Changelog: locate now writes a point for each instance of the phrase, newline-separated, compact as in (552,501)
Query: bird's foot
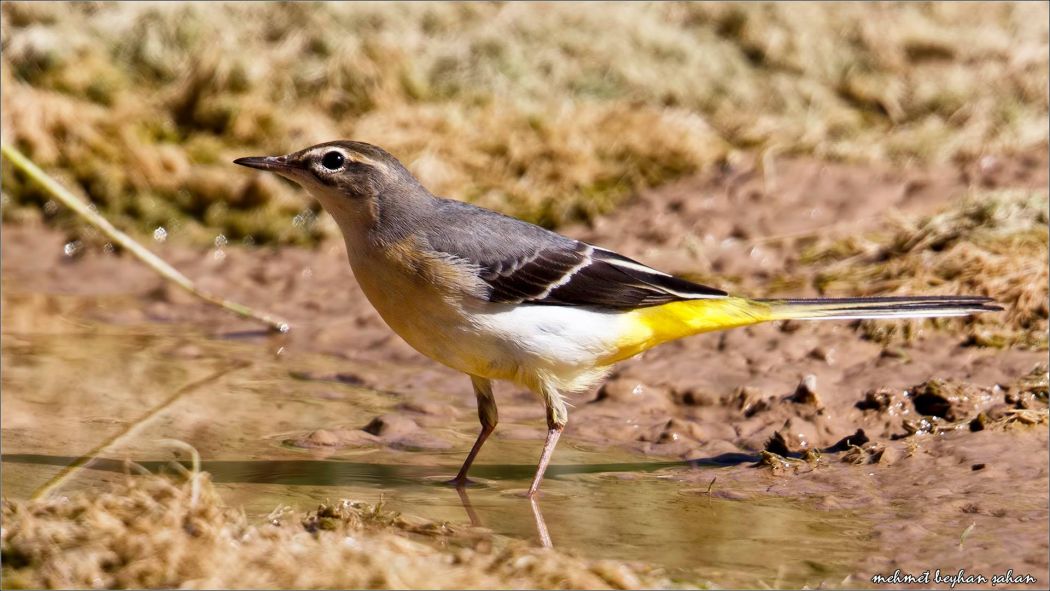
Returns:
(461,482)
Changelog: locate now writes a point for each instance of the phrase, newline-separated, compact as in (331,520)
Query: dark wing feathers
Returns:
(523,263)
(615,281)
(530,277)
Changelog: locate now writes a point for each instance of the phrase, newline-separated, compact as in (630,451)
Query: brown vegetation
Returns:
(550,112)
(992,244)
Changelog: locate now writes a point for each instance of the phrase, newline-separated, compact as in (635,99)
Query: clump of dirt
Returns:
(397,431)
(402,432)
(155,532)
(333,439)
(938,406)
(948,400)
(992,244)
(1024,403)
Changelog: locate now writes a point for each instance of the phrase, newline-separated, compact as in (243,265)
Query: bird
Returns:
(501,299)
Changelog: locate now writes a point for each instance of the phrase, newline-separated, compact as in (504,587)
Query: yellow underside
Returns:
(648,327)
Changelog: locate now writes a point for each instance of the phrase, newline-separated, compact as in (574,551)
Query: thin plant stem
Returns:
(21,162)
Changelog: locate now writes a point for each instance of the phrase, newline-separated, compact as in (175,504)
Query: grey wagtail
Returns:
(501,299)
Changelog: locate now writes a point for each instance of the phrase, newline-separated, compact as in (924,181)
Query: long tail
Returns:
(647,327)
(878,307)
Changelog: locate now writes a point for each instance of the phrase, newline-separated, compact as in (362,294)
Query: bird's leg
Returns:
(488,416)
(557,416)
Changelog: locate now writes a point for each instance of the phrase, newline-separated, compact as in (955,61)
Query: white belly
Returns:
(561,345)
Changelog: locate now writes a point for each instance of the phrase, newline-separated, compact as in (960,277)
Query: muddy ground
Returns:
(942,446)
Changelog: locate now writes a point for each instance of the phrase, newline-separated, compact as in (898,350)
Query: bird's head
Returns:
(348,178)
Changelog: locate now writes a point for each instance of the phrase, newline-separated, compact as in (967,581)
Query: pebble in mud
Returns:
(694,397)
(750,401)
(682,437)
(858,438)
(390,426)
(883,400)
(800,433)
(401,432)
(674,430)
(777,444)
(634,392)
(948,400)
(825,354)
(336,438)
(806,392)
(871,453)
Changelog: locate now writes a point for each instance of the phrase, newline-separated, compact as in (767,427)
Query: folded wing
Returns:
(584,275)
(521,263)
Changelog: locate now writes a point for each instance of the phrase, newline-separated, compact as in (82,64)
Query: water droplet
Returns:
(304,219)
(221,241)
(160,234)
(73,248)
(50,208)
(988,164)
(218,254)
(108,248)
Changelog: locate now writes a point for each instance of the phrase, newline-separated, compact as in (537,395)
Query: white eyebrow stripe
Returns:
(363,160)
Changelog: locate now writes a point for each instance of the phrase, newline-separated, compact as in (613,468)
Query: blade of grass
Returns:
(151,260)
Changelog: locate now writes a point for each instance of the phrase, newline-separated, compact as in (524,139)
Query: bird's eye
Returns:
(333,161)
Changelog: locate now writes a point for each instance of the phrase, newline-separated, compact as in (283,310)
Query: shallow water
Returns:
(81,397)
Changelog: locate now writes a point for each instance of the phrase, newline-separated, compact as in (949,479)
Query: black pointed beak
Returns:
(272,163)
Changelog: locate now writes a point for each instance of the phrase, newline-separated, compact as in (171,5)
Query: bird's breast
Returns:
(423,301)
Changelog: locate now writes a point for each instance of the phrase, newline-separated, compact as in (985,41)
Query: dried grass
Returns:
(154,532)
(550,112)
(993,244)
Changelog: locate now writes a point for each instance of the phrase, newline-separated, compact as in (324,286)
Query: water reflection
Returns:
(541,525)
(332,472)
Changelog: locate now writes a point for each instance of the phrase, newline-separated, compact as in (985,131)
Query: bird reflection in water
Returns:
(537,515)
